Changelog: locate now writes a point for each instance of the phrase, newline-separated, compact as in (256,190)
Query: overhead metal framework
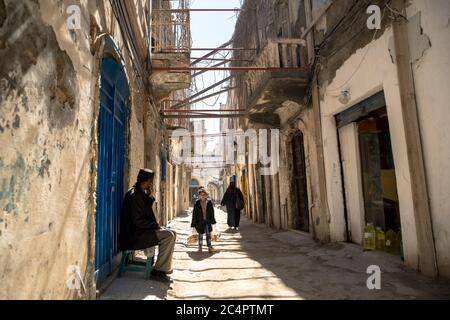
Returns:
(200,65)
(171,49)
(198,10)
(171,27)
(219,59)
(204,116)
(235,69)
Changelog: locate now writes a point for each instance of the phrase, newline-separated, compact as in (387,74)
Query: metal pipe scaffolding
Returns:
(226,44)
(186,101)
(191,102)
(210,49)
(236,69)
(204,71)
(221,59)
(197,10)
(206,116)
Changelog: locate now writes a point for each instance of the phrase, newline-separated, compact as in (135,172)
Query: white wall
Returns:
(354,198)
(376,73)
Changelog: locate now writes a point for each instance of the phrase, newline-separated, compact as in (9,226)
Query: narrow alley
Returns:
(314,132)
(257,262)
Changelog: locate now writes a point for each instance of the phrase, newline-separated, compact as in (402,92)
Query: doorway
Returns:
(114,93)
(381,202)
(299,184)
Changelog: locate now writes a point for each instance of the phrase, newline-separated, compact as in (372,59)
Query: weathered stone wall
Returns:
(259,21)
(48,129)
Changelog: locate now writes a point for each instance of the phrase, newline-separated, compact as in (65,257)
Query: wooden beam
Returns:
(317,18)
(309,35)
(206,97)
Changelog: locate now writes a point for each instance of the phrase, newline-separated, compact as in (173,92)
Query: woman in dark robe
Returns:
(231,200)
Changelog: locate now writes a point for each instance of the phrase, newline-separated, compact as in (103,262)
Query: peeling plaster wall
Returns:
(48,88)
(287,198)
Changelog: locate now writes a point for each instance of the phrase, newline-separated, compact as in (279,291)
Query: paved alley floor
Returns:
(262,263)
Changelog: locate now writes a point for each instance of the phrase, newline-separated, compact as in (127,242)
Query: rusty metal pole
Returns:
(235,69)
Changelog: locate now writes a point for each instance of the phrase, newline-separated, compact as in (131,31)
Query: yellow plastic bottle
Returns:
(380,239)
(391,241)
(369,242)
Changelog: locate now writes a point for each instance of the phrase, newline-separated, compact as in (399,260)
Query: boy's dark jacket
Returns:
(137,222)
(197,217)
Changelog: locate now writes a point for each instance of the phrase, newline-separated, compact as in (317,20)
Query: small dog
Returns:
(192,239)
(215,236)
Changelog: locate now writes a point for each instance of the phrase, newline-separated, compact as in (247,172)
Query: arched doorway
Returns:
(114,93)
(300,219)
(193,190)
(214,192)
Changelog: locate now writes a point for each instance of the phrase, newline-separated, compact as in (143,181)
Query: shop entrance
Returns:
(369,178)
(378,172)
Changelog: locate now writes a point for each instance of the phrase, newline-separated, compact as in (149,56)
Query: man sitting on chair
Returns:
(139,229)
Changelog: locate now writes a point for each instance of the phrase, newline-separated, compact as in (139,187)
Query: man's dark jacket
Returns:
(137,221)
(198,222)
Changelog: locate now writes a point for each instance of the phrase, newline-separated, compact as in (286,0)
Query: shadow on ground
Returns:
(333,271)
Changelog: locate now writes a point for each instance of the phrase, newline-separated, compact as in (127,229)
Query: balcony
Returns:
(171,44)
(268,91)
(163,83)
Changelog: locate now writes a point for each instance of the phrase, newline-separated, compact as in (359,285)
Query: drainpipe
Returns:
(427,263)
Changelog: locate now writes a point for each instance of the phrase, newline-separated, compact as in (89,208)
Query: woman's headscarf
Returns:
(232,186)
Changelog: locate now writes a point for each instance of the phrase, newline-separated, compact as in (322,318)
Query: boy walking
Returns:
(203,219)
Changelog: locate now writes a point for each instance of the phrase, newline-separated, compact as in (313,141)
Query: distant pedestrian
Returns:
(233,199)
(203,219)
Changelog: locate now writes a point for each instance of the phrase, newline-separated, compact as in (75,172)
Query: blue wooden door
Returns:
(110,175)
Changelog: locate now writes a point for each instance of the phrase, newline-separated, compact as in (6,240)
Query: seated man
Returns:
(139,229)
